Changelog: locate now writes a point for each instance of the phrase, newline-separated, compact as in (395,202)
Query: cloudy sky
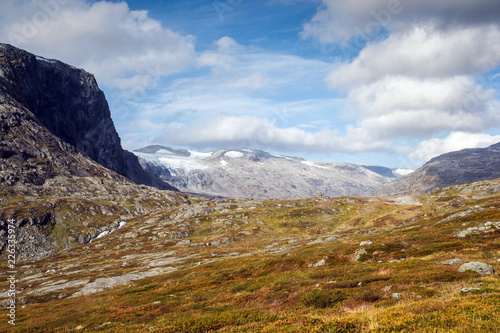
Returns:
(386,82)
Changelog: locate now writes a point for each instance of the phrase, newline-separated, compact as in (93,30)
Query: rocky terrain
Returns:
(67,102)
(424,263)
(259,175)
(460,167)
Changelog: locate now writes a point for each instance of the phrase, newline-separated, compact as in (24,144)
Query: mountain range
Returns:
(250,173)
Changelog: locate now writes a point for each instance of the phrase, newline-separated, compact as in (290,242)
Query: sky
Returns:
(379,82)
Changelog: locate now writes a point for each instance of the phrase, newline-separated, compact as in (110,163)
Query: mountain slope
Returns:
(58,196)
(68,102)
(257,174)
(460,167)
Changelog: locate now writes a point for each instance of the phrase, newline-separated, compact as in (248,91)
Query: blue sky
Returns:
(386,82)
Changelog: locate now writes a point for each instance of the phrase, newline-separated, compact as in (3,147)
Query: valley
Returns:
(231,240)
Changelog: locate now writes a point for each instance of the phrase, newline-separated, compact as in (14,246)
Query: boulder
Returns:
(478,267)
(452,262)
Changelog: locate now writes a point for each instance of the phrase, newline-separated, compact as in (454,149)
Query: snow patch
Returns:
(102,234)
(46,60)
(223,163)
(403,172)
(199,155)
(313,164)
(164,152)
(279,156)
(107,232)
(234,154)
(183,163)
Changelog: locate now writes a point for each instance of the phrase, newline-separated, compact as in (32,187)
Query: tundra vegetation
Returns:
(378,264)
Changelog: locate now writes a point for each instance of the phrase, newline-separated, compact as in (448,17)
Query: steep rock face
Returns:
(68,102)
(460,167)
(257,174)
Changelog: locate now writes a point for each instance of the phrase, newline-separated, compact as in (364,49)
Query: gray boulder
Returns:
(452,262)
(478,267)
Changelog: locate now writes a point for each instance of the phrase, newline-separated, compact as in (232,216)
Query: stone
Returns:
(452,262)
(467,291)
(396,297)
(320,263)
(478,267)
(365,243)
(358,255)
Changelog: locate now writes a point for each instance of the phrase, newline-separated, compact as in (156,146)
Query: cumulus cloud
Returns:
(231,131)
(124,48)
(423,51)
(428,149)
(338,21)
(411,68)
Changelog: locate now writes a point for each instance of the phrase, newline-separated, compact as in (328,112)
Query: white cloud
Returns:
(421,81)
(231,131)
(252,82)
(423,52)
(339,20)
(428,149)
(122,47)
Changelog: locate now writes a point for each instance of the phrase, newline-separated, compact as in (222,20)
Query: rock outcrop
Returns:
(455,168)
(68,102)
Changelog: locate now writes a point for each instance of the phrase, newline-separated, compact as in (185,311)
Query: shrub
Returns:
(368,297)
(322,298)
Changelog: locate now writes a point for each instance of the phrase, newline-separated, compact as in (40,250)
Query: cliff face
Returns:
(460,167)
(68,102)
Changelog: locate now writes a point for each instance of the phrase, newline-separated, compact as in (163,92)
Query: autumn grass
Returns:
(285,292)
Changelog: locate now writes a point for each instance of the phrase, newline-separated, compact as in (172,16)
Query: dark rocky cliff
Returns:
(460,167)
(68,102)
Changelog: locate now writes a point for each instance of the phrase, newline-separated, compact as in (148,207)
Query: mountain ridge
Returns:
(453,168)
(252,173)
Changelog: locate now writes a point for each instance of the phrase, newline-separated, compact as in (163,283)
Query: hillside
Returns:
(314,265)
(58,194)
(460,167)
(256,174)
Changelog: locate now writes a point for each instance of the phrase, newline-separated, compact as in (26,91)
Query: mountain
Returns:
(68,102)
(257,174)
(58,196)
(460,167)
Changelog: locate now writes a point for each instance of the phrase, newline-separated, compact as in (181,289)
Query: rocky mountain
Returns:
(460,167)
(68,102)
(58,196)
(258,174)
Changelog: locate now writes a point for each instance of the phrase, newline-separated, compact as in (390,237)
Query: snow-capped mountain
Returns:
(257,174)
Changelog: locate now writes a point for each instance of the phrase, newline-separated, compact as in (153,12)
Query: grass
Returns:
(284,292)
